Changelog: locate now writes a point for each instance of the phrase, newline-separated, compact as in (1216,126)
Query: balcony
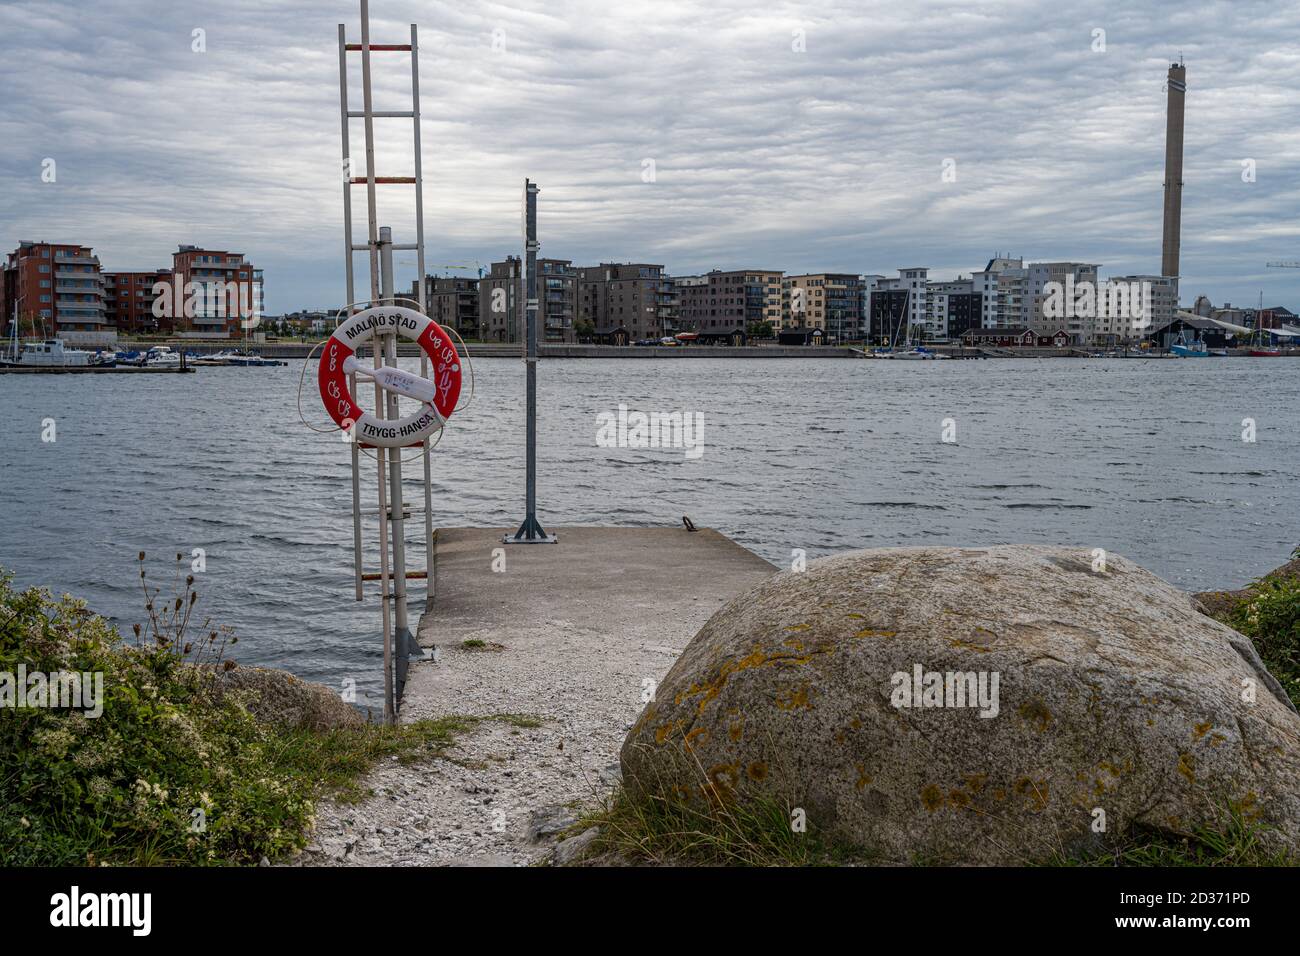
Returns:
(78,260)
(71,274)
(217,265)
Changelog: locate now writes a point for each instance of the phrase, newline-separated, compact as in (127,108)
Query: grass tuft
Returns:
(1234,841)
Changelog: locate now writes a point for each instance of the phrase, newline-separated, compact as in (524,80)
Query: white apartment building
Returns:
(914,280)
(1130,307)
(937,299)
(1081,325)
(870,283)
(986,283)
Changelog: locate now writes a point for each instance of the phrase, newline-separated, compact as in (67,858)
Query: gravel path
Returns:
(502,794)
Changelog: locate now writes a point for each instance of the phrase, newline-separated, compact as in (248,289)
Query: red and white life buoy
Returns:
(440,394)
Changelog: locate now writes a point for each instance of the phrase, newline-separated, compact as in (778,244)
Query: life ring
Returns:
(363,425)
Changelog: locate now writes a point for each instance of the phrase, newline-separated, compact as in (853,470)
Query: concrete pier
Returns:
(627,585)
(567,637)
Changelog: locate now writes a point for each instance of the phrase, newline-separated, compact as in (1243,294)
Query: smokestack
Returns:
(1174,168)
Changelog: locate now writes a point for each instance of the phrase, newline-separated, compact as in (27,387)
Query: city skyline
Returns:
(804,140)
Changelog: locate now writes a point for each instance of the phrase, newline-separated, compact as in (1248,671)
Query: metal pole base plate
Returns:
(530,532)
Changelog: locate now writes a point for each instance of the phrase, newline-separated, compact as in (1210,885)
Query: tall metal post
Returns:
(405,646)
(531,531)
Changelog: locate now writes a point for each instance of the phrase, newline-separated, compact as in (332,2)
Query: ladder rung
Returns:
(375,576)
(381,46)
(383,180)
(383,114)
(406,510)
(396,247)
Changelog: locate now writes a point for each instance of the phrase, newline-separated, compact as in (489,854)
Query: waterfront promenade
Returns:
(571,637)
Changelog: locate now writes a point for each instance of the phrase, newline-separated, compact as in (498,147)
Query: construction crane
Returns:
(1282,265)
(477,265)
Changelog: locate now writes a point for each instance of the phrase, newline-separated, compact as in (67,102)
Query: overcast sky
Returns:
(786,136)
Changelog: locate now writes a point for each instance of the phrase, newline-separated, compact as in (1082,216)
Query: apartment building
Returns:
(635,296)
(129,300)
(832,302)
(913,281)
(222,296)
(889,311)
(987,283)
(57,289)
(451,301)
(721,303)
(951,309)
(557,299)
(1130,307)
(500,300)
(502,304)
(1079,324)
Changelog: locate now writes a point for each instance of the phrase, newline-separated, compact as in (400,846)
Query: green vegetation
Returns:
(647,828)
(1270,617)
(166,774)
(1236,841)
(473,643)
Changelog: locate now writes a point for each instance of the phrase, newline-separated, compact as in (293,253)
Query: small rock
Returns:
(574,848)
(547,822)
(483,859)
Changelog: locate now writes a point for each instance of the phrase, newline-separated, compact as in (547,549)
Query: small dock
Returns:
(92,370)
(558,652)
(625,582)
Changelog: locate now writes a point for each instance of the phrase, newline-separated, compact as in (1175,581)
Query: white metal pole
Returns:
(401,630)
(427,444)
(390,710)
(357,569)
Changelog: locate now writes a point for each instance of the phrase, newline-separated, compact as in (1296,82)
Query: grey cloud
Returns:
(827,159)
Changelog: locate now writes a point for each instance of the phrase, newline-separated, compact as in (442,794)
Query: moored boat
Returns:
(52,353)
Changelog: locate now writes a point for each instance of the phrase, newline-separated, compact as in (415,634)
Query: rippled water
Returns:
(1140,457)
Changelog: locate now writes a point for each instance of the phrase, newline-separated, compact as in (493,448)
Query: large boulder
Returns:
(1097,696)
(277,697)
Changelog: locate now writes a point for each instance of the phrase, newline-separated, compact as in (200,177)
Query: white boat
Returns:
(238,358)
(915,355)
(52,354)
(161,356)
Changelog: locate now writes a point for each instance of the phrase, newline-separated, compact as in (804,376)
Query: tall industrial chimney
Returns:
(1174,168)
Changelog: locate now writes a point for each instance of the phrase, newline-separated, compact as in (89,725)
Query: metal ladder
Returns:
(400,645)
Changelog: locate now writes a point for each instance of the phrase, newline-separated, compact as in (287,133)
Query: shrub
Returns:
(1270,617)
(162,775)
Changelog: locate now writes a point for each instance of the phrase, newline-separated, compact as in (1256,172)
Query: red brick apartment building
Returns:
(60,289)
(215,273)
(129,299)
(56,289)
